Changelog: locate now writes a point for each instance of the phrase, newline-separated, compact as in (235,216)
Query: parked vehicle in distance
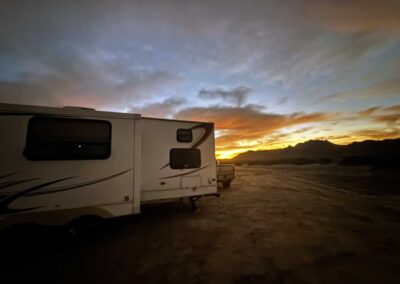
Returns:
(225,174)
(61,164)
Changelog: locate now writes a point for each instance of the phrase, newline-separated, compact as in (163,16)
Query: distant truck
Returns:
(225,174)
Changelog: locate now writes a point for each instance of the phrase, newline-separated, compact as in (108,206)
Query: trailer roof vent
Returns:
(184,135)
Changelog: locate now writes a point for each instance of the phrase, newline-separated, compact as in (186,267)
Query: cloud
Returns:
(389,115)
(236,95)
(380,109)
(136,54)
(78,80)
(360,135)
(354,16)
(381,90)
(162,109)
(373,134)
(246,123)
(369,111)
(394,108)
(388,118)
(268,42)
(282,101)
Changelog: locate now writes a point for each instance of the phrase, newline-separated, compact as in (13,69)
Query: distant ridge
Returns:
(385,153)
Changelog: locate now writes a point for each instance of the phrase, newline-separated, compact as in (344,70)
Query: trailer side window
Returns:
(184,135)
(50,138)
(184,158)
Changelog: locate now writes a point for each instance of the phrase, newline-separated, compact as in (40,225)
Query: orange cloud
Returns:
(388,118)
(247,122)
(361,135)
(389,115)
(395,108)
(243,127)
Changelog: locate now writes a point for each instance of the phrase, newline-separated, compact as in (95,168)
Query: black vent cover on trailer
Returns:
(184,135)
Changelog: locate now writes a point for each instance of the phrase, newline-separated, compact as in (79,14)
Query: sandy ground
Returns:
(277,224)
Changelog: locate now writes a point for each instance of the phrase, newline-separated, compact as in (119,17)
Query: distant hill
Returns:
(385,153)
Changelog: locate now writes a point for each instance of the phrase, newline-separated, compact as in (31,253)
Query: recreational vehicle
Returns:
(60,164)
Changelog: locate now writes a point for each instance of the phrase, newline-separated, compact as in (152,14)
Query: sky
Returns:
(268,73)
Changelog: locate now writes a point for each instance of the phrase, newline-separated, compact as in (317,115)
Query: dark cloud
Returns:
(282,100)
(270,41)
(28,93)
(76,80)
(76,53)
(236,95)
(162,109)
(390,119)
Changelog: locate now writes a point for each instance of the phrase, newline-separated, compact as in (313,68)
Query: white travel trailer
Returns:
(59,164)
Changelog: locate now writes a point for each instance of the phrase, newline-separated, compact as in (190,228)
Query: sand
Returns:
(276,224)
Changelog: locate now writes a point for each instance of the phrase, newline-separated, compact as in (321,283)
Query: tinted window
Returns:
(184,158)
(51,138)
(184,135)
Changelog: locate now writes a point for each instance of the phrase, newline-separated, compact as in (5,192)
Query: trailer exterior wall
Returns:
(53,192)
(70,187)
(159,180)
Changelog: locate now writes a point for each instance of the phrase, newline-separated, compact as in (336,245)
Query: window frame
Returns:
(29,148)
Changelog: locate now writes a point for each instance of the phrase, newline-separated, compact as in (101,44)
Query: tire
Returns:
(226,184)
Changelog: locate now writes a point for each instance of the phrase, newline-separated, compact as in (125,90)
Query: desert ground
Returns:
(276,224)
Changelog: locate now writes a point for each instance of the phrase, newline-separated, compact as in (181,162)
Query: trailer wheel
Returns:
(226,184)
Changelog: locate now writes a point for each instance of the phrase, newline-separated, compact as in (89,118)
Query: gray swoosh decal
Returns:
(77,185)
(208,127)
(8,200)
(8,175)
(185,173)
(11,183)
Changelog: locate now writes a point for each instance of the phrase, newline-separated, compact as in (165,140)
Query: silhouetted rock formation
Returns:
(384,153)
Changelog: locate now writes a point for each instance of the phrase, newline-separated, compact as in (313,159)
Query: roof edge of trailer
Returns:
(19,109)
(177,120)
